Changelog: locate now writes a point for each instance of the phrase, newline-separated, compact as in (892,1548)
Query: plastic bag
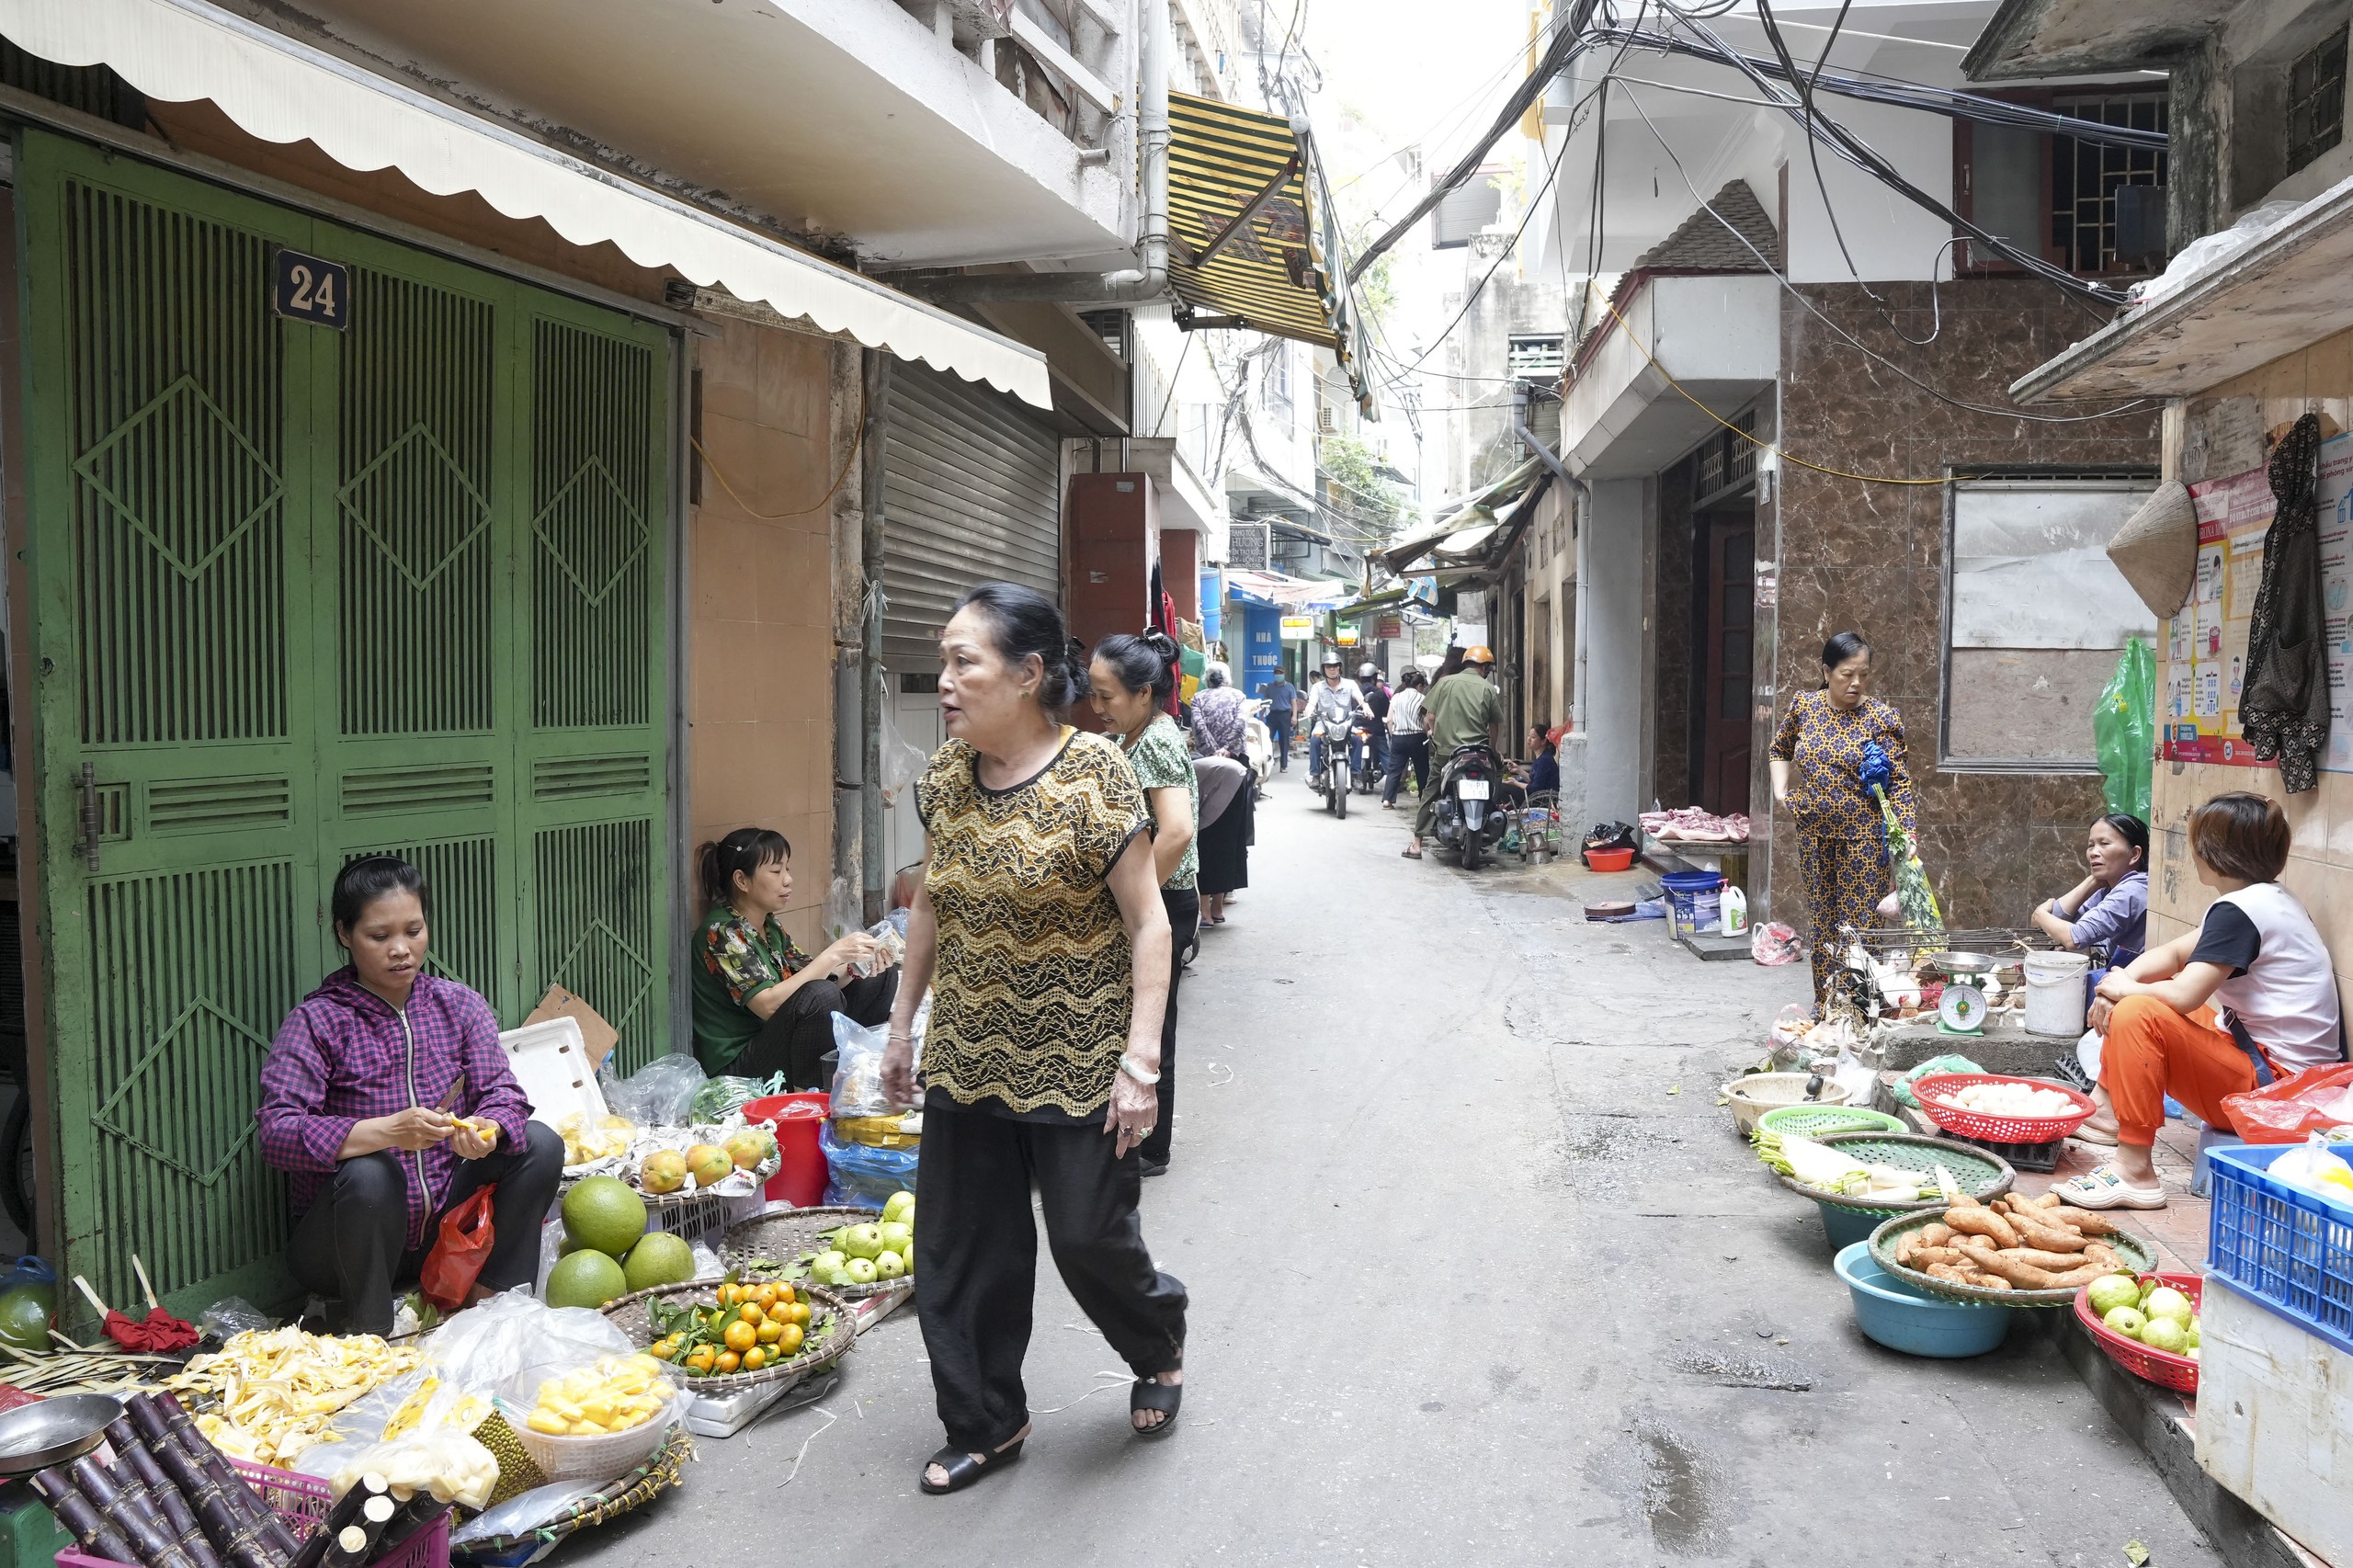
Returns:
(447,1463)
(1929,1069)
(903,760)
(720,1098)
(862,1178)
(527,1511)
(2293,1108)
(2317,1170)
(233,1315)
(1774,943)
(1787,1038)
(858,1069)
(2124,729)
(658,1094)
(1613,836)
(844,908)
(460,1251)
(510,1343)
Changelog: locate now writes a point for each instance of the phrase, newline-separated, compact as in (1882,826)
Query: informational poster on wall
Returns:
(2206,641)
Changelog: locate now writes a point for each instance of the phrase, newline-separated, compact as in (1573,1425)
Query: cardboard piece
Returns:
(599,1036)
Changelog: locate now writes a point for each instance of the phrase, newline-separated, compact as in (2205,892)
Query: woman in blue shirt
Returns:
(2110,906)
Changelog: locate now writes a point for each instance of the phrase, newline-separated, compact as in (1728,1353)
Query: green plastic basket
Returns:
(1983,1174)
(2133,1255)
(1821,1121)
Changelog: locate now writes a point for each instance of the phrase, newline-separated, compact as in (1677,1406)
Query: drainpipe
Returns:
(1149,280)
(873,872)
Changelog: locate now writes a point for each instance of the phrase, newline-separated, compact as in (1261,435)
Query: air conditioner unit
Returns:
(1326,421)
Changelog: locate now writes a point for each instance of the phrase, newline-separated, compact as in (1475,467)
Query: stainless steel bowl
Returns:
(1965,963)
(35,1436)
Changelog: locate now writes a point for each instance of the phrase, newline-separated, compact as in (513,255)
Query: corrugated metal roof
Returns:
(1272,272)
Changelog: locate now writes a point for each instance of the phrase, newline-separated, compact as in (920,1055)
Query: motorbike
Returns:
(1333,783)
(1470,820)
(1368,770)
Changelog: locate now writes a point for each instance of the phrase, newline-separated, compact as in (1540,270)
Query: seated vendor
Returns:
(2109,908)
(388,1101)
(1543,761)
(2247,996)
(762,1006)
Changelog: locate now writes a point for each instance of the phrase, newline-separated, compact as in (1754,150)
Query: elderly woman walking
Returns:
(1041,932)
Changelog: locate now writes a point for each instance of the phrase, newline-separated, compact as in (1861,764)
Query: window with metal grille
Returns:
(1111,327)
(1536,355)
(2317,101)
(1727,459)
(2055,196)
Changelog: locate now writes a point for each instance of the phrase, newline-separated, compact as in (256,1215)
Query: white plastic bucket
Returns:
(2054,992)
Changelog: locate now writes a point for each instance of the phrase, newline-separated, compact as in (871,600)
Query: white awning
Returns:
(282,90)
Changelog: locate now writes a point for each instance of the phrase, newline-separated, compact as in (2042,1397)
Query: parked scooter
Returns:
(1469,820)
(1332,781)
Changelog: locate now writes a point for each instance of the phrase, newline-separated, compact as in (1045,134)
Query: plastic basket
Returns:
(593,1458)
(1931,1092)
(302,1502)
(2289,1250)
(2038,1157)
(2163,1367)
(695,1218)
(1821,1121)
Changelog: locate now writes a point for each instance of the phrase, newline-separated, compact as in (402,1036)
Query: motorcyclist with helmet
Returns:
(1376,699)
(1333,697)
(1463,709)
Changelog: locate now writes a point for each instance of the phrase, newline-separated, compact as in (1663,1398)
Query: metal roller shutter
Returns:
(970,494)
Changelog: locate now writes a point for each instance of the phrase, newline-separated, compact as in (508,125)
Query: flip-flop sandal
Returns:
(1151,1393)
(1410,854)
(2106,1188)
(963,1468)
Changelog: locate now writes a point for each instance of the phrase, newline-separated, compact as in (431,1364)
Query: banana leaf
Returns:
(1913,897)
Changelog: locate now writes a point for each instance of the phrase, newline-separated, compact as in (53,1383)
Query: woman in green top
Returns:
(1133,678)
(763,1006)
(1040,932)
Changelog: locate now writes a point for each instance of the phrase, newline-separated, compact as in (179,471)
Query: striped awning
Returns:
(1278,272)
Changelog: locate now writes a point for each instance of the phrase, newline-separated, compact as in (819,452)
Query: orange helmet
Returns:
(1478,654)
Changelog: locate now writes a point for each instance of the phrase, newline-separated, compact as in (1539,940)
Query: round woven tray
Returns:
(782,1238)
(1982,1175)
(2131,1254)
(830,1336)
(632,1492)
(1821,1121)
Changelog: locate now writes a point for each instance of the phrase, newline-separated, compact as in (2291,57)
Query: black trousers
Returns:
(798,1034)
(351,1245)
(1184,906)
(976,1256)
(1406,751)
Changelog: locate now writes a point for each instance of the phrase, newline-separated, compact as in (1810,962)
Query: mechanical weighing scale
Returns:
(1961,1009)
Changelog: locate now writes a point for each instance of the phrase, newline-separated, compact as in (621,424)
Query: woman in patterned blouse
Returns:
(1817,761)
(1132,678)
(763,1006)
(1041,933)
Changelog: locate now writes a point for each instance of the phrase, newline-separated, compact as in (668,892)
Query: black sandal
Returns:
(1151,1393)
(963,1468)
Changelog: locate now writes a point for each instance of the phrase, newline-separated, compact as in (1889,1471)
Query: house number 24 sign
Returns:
(308,289)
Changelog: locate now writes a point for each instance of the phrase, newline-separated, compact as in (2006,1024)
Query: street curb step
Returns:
(1714,948)
(2158,1421)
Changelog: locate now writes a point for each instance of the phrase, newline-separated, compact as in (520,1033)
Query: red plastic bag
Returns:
(2288,1110)
(456,1260)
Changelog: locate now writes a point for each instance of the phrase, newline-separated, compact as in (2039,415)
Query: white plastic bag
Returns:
(658,1094)
(857,1071)
(2315,1169)
(903,760)
(525,1511)
(510,1343)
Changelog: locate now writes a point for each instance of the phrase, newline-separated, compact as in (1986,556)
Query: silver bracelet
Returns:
(1127,1065)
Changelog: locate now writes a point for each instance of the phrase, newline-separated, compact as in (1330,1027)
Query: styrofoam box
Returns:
(2275,1419)
(550,1060)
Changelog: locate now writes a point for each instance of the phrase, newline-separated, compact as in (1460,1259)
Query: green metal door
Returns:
(301,593)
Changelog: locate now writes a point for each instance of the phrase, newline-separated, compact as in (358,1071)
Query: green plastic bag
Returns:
(1929,1069)
(2124,728)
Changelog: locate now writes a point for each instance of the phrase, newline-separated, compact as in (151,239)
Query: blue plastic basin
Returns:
(1845,1227)
(1901,1318)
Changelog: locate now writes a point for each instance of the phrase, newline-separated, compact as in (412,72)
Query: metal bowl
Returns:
(1965,963)
(35,1436)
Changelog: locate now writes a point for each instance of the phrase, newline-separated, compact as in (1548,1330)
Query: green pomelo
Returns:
(605,1213)
(586,1279)
(660,1259)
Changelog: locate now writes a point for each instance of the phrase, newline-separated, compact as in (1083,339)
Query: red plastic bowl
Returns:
(2163,1367)
(1609,859)
(1932,1093)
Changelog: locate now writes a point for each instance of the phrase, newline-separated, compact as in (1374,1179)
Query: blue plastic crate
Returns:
(2287,1249)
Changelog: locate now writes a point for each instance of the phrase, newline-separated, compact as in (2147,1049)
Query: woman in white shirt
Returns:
(1408,742)
(2249,996)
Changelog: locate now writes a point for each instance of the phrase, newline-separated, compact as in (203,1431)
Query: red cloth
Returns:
(161,1330)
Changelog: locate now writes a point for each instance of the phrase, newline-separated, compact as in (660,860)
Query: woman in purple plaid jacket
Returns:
(386,1101)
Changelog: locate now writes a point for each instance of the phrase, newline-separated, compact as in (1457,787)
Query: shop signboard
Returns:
(2206,641)
(1390,626)
(1298,628)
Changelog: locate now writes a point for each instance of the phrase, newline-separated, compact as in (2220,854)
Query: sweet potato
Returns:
(2085,1221)
(1983,1221)
(2103,1255)
(1922,1257)
(2073,1278)
(1905,1248)
(2048,1201)
(2049,1238)
(1951,1271)
(2059,1262)
(1935,1235)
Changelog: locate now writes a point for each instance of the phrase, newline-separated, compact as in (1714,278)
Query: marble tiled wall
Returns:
(1871,557)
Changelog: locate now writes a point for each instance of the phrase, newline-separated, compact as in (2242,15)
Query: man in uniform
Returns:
(1463,709)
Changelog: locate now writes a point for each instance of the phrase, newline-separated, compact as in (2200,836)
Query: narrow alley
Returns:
(1480,1273)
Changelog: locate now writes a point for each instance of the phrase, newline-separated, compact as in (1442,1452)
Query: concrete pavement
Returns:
(1480,1274)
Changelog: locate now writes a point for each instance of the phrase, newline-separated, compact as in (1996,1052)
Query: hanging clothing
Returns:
(2283,704)
(1842,836)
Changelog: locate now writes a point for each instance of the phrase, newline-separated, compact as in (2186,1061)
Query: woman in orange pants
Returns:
(2248,995)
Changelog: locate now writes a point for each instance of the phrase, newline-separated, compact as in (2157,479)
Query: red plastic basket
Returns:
(1930,1093)
(2163,1367)
(302,1502)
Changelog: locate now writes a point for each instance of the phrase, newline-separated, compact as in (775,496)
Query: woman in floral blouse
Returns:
(763,1006)
(1131,679)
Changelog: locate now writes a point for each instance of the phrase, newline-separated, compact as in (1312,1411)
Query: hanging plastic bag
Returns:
(858,1069)
(722,1098)
(659,1094)
(2293,1108)
(456,1260)
(2124,729)
(903,760)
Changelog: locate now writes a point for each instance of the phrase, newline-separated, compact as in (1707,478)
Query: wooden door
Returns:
(1728,644)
